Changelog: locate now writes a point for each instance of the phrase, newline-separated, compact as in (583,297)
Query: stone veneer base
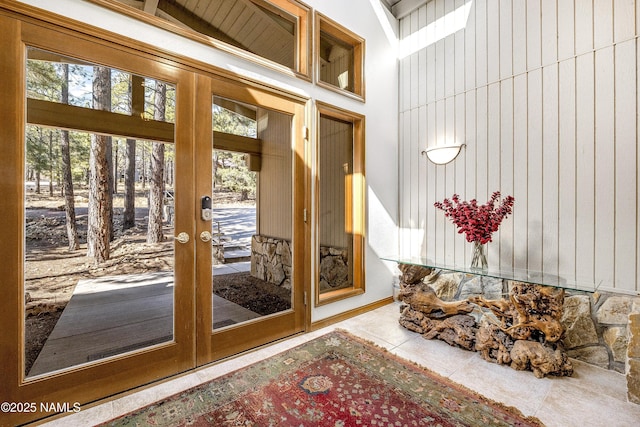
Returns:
(601,329)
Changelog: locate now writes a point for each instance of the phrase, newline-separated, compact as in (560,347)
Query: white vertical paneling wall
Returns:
(275,194)
(544,95)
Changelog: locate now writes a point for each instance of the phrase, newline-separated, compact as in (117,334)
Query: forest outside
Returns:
(52,271)
(98,205)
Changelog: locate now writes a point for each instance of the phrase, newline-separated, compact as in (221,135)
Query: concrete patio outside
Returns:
(112,315)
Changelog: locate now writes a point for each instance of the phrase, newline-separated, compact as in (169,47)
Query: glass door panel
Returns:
(98,213)
(252,203)
(249,281)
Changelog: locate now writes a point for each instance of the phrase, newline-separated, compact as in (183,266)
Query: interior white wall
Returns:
(544,94)
(367,19)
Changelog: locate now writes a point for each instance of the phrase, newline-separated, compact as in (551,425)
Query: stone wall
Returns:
(271,262)
(598,327)
(334,268)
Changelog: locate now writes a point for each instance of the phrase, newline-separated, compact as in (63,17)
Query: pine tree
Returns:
(67,177)
(100,189)
(156,190)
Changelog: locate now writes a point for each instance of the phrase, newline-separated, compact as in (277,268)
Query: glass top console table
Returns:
(512,274)
(522,329)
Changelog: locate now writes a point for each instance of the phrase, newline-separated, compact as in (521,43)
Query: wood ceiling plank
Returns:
(273,25)
(238,11)
(196,23)
(240,26)
(221,13)
(208,10)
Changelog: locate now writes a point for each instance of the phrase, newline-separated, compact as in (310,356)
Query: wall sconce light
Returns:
(443,154)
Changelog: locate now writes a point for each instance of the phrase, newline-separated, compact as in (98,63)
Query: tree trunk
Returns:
(67,178)
(110,177)
(137,109)
(100,194)
(156,189)
(115,168)
(69,196)
(214,167)
(129,215)
(50,163)
(143,177)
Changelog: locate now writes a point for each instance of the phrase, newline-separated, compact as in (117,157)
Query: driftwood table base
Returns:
(522,331)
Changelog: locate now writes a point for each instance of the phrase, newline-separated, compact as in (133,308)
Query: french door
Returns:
(151,286)
(260,299)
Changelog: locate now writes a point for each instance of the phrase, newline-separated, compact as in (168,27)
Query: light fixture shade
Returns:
(443,154)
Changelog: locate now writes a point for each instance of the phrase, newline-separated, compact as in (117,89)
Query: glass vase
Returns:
(479,256)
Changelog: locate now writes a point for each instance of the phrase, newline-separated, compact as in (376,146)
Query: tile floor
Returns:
(591,397)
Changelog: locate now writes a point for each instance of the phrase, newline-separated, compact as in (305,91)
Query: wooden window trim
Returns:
(359,203)
(337,31)
(296,8)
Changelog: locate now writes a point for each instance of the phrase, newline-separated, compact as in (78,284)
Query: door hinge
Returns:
(304,214)
(305,298)
(305,133)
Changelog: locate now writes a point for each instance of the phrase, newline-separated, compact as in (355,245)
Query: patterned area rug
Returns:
(336,380)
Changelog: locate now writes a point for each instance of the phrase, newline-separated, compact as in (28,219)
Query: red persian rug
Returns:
(336,380)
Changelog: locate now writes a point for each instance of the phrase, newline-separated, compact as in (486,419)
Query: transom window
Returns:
(276,30)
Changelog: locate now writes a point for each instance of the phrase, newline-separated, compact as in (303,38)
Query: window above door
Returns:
(274,33)
(339,58)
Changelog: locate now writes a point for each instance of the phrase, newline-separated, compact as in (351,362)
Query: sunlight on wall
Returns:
(385,22)
(382,238)
(437,30)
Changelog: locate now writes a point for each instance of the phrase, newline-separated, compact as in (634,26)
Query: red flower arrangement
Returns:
(477,222)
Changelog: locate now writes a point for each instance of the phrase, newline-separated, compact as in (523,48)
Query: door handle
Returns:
(182,237)
(205,236)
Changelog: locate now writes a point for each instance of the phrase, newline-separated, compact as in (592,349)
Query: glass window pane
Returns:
(336,62)
(98,210)
(335,229)
(340,57)
(268,29)
(56,78)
